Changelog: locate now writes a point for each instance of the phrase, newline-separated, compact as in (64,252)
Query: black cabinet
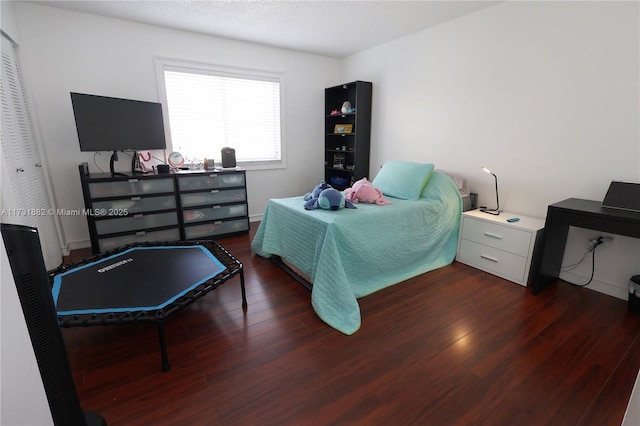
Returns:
(127,209)
(347,133)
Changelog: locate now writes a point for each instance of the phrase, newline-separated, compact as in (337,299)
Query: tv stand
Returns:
(134,162)
(112,160)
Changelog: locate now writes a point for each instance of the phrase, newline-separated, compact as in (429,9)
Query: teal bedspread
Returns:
(351,253)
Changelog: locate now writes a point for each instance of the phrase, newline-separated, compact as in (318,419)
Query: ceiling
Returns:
(329,28)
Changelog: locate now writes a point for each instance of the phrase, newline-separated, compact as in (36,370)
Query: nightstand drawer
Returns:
(496,235)
(498,262)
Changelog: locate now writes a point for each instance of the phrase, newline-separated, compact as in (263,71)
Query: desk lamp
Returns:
(495,211)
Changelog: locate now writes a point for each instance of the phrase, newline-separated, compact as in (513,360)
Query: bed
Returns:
(351,253)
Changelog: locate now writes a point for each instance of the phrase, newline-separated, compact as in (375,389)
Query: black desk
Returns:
(583,214)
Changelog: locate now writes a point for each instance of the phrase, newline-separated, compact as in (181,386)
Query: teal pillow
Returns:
(403,179)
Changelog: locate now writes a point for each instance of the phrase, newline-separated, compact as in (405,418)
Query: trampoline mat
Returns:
(137,279)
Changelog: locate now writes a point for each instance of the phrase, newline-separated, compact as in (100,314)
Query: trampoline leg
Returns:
(163,346)
(244,292)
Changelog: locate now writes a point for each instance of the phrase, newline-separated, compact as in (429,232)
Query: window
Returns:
(209,108)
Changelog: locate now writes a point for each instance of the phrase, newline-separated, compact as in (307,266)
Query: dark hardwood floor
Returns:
(455,346)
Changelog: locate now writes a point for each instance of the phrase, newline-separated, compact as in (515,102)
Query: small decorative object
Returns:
(144,160)
(196,164)
(176,159)
(351,110)
(343,128)
(338,161)
(495,211)
(345,107)
(228,158)
(335,112)
(209,164)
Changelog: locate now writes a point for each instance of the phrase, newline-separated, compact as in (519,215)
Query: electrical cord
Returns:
(575,265)
(96,163)
(598,242)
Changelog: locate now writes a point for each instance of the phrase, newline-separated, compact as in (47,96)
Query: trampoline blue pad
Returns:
(137,279)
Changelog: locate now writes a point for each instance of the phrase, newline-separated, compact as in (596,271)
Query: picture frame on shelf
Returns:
(343,128)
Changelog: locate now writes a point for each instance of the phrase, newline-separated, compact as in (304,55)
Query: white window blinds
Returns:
(210,110)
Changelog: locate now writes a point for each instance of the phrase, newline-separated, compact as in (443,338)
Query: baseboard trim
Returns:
(611,289)
(76,245)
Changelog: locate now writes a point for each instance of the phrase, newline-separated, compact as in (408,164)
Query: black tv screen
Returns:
(113,124)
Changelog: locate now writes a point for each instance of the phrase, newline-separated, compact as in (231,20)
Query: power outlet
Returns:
(605,240)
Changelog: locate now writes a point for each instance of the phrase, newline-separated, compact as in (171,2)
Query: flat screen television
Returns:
(113,124)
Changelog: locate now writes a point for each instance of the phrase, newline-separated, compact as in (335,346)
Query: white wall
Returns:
(546,94)
(64,51)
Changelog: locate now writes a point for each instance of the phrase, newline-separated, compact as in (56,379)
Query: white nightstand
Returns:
(502,248)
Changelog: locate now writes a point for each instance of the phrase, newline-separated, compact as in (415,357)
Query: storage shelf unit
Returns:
(127,208)
(347,135)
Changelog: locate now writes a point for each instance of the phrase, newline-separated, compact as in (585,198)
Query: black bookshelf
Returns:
(347,138)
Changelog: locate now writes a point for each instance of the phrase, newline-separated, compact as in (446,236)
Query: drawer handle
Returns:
(493,259)
(137,216)
(496,236)
(133,180)
(215,191)
(135,198)
(141,233)
(215,207)
(213,176)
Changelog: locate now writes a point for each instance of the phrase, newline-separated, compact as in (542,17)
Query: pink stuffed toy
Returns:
(364,192)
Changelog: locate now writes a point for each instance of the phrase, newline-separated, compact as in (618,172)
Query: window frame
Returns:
(163,64)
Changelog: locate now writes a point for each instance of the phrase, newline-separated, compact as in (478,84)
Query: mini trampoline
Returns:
(141,282)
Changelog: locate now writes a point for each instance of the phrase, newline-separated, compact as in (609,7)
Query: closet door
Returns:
(25,199)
